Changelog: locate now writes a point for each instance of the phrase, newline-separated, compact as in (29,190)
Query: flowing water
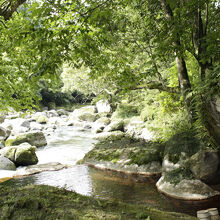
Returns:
(67,145)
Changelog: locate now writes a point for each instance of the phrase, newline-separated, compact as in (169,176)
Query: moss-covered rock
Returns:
(127,154)
(36,138)
(87,113)
(117,125)
(21,155)
(46,202)
(87,117)
(25,155)
(42,119)
(182,145)
(110,136)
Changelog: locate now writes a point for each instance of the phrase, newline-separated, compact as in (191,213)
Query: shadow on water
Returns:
(106,185)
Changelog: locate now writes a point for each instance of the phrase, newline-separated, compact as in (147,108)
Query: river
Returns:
(67,145)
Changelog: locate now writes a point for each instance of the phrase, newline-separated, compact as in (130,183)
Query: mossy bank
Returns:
(46,202)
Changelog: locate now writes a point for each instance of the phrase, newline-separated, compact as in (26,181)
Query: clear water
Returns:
(66,145)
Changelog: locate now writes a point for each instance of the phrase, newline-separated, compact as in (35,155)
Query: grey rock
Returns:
(109,136)
(52,113)
(117,125)
(100,124)
(61,112)
(6,164)
(186,189)
(103,106)
(87,113)
(204,165)
(2,118)
(38,168)
(35,126)
(4,133)
(34,138)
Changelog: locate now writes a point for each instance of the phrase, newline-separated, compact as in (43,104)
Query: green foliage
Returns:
(126,110)
(121,45)
(182,145)
(206,92)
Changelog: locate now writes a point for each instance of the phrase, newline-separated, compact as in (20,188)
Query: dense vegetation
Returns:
(124,49)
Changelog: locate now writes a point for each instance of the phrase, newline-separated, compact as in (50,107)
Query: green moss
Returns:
(16,141)
(47,202)
(139,152)
(177,175)
(148,153)
(106,155)
(127,110)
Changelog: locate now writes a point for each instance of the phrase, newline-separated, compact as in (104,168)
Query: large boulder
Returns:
(103,106)
(135,127)
(22,155)
(87,117)
(189,189)
(110,136)
(117,125)
(33,138)
(87,113)
(168,165)
(100,124)
(37,115)
(204,165)
(25,155)
(6,164)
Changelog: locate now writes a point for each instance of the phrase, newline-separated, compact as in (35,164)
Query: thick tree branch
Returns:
(157,85)
(8,11)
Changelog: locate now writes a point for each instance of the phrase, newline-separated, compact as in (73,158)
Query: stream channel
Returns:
(67,145)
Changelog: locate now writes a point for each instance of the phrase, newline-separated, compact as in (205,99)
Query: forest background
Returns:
(157,59)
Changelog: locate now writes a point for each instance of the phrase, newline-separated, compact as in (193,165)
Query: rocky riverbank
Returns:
(124,145)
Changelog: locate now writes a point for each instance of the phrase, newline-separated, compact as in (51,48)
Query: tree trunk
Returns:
(185,87)
(183,77)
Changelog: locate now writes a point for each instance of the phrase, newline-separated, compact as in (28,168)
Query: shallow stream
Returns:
(67,145)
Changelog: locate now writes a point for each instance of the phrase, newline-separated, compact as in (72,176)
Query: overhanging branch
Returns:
(157,85)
